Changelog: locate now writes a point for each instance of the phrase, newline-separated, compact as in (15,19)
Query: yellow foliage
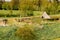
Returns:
(11,21)
(57,39)
(25,32)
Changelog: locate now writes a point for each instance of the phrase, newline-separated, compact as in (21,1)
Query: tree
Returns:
(1,2)
(15,4)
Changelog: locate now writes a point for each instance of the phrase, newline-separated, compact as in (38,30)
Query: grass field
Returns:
(48,32)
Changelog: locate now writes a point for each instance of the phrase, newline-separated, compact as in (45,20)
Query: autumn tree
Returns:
(15,4)
(25,6)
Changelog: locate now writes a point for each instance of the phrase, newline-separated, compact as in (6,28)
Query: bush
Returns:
(29,13)
(28,32)
(6,6)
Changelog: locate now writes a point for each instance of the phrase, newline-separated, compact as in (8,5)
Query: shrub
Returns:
(29,13)
(6,6)
(57,39)
(27,32)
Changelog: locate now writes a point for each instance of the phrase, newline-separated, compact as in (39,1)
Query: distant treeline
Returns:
(50,6)
(6,6)
(12,5)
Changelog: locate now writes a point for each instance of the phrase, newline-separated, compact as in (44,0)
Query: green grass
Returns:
(7,32)
(18,13)
(8,13)
(51,31)
(48,32)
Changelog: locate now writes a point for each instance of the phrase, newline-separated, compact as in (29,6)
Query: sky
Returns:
(59,0)
(7,0)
